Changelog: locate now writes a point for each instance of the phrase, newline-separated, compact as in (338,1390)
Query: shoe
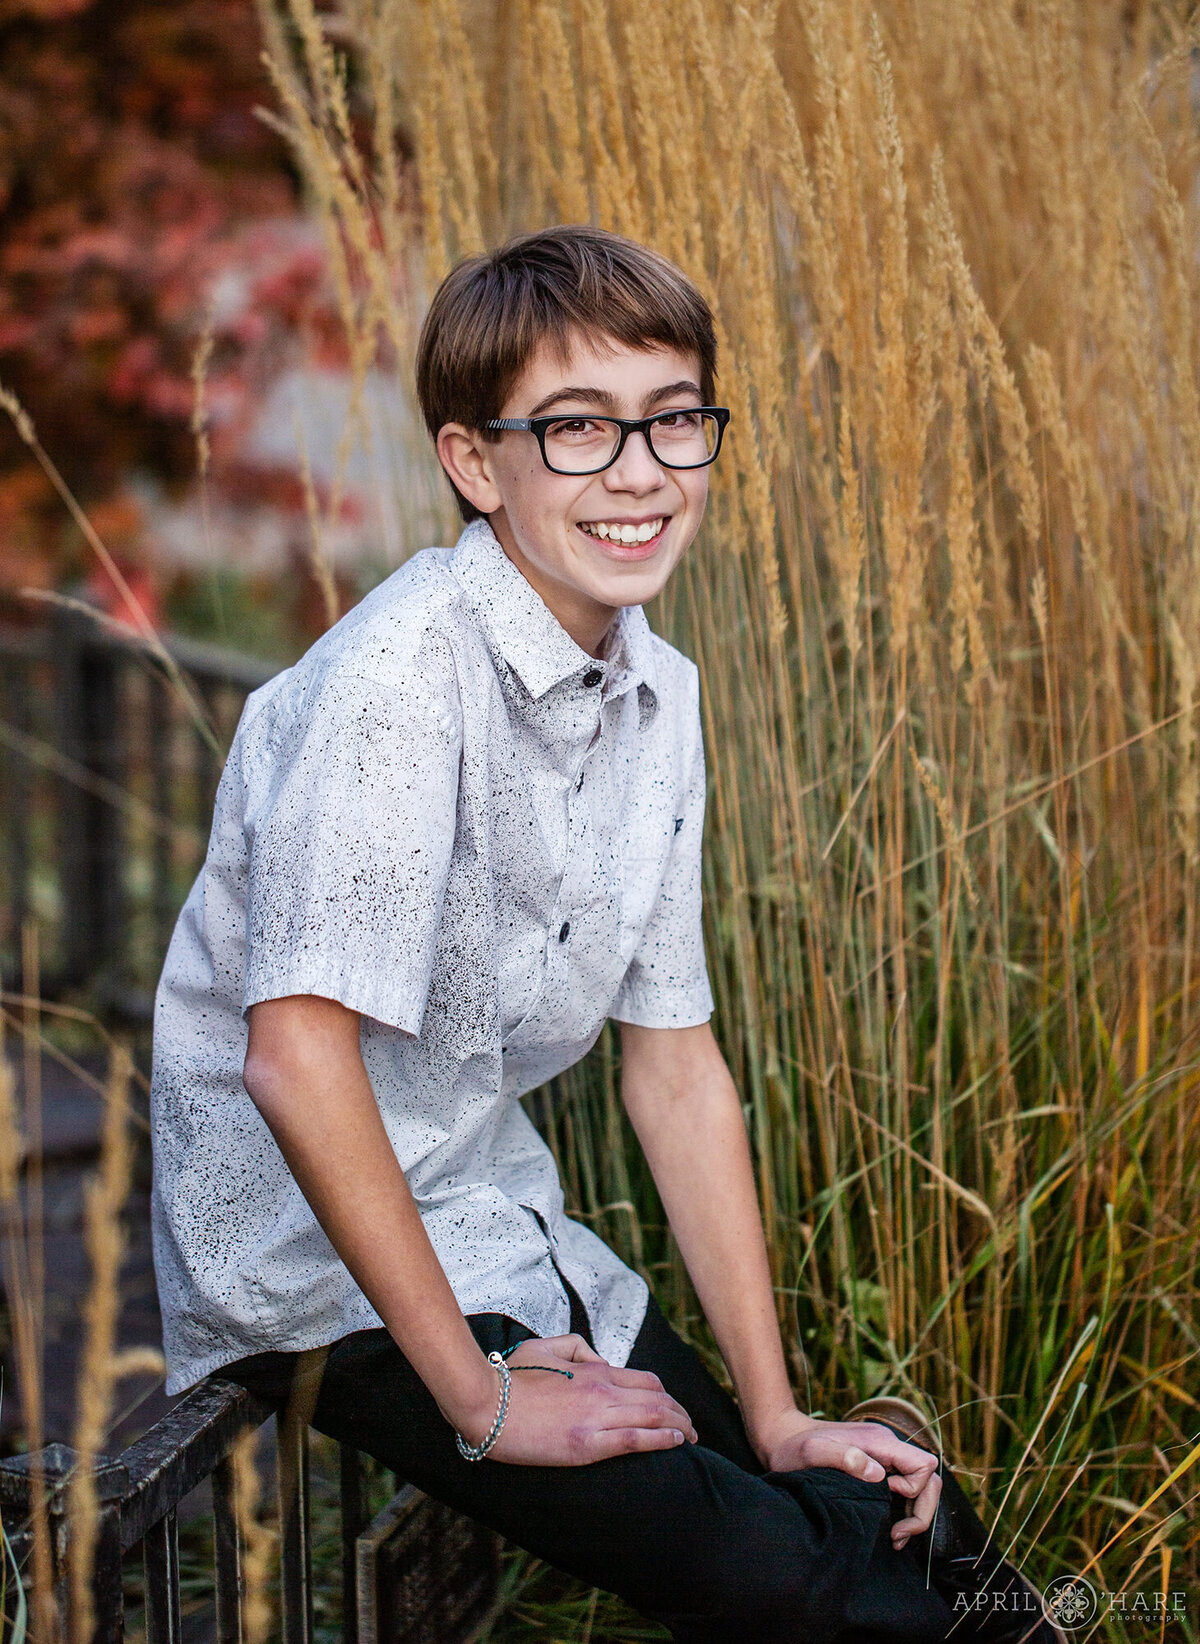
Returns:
(897,1412)
(964,1563)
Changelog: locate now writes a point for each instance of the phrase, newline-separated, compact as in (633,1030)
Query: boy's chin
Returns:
(633,585)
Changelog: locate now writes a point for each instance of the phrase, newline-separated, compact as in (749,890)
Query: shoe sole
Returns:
(915,1425)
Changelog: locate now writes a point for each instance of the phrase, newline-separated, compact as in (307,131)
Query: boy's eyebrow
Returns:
(672,391)
(603,398)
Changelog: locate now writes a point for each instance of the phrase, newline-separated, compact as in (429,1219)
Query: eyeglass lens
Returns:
(679,439)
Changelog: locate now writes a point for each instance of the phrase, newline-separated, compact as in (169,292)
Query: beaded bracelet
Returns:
(476,1452)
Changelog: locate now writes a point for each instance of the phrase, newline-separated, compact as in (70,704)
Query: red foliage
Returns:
(136,183)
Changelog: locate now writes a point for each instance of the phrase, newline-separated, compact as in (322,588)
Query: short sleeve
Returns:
(351,801)
(666,984)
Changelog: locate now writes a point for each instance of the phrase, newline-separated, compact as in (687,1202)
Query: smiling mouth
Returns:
(625,533)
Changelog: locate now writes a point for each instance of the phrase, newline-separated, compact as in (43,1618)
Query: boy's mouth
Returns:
(628,538)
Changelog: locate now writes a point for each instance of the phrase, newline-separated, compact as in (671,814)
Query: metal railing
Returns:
(417,1573)
(108,786)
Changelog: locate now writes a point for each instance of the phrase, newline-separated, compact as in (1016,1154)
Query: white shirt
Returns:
(452,819)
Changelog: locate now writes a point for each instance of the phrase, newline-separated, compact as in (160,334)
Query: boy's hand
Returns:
(866,1449)
(600,1412)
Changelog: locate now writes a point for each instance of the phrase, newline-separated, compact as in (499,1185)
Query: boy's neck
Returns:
(586,620)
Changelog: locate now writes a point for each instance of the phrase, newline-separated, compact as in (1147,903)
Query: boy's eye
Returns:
(677,421)
(574,427)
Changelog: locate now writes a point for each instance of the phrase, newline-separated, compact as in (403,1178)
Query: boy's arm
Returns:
(305,1073)
(684,1107)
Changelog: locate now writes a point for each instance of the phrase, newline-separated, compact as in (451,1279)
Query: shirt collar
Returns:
(527,634)
(631,657)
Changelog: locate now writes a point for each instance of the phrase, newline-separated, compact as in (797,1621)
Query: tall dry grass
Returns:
(23,1268)
(103,1364)
(946,607)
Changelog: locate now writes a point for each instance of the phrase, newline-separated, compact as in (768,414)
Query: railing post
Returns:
(108,1596)
(160,1561)
(17,1474)
(228,1553)
(296,1548)
(355,1517)
(56,1465)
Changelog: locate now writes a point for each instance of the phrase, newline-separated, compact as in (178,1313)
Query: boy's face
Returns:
(541,518)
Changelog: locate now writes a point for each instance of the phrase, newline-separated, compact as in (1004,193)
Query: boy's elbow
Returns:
(294,1041)
(261,1078)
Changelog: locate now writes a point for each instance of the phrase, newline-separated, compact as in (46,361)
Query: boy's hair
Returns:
(491,312)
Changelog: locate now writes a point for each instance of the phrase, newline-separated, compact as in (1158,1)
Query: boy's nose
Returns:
(637,468)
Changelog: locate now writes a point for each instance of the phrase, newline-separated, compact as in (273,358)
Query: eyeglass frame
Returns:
(628,425)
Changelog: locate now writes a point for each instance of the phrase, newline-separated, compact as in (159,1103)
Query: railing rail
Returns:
(417,1574)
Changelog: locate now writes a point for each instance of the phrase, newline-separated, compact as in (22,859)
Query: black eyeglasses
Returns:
(685,438)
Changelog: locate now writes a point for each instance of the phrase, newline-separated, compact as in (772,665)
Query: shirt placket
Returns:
(579,856)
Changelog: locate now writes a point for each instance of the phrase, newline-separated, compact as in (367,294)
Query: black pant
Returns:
(699,1537)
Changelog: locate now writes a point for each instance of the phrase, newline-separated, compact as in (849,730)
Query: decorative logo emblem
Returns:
(1071,1601)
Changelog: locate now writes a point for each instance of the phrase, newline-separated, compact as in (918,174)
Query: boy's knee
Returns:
(813,1566)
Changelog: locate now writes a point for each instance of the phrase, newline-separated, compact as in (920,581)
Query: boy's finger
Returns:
(922,1515)
(621,1441)
(910,1484)
(859,1463)
(634,1378)
(830,1450)
(909,1460)
(657,1411)
(570,1349)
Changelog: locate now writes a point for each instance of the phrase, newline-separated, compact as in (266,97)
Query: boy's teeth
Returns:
(625,533)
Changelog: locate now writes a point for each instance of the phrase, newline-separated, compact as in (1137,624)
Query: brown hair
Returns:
(491,312)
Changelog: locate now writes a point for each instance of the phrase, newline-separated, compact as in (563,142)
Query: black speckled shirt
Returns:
(453,820)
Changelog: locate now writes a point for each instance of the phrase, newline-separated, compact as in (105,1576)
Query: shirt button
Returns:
(565,931)
(592,677)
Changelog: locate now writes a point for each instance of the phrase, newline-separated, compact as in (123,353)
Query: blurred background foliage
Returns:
(145,207)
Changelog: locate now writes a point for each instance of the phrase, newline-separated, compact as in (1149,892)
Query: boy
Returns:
(461,832)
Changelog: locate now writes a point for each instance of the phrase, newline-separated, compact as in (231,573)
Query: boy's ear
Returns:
(464,454)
